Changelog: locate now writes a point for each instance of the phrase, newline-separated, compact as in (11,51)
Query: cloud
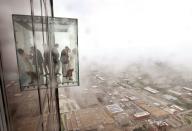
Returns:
(130,29)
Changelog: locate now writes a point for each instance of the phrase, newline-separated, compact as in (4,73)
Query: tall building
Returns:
(27,104)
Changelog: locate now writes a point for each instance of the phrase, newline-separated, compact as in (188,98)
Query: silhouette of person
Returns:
(39,59)
(46,59)
(55,58)
(72,64)
(26,69)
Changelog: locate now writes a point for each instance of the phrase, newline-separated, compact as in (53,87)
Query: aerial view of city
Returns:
(152,96)
(95,65)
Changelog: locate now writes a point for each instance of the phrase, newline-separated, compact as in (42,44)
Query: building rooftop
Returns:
(188,89)
(133,98)
(141,114)
(151,90)
(170,110)
(177,107)
(88,119)
(114,108)
(100,78)
(122,119)
(175,92)
(153,110)
(169,97)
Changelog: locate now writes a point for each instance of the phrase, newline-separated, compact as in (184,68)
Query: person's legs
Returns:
(69,74)
(33,77)
(47,71)
(64,72)
(64,69)
(57,68)
(24,78)
(41,69)
(54,68)
(46,68)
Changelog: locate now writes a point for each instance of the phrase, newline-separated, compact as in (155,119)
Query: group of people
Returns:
(34,64)
(67,59)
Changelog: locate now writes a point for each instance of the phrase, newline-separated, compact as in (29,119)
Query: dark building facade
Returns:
(36,108)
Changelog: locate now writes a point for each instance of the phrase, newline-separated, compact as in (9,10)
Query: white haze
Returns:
(115,31)
(126,30)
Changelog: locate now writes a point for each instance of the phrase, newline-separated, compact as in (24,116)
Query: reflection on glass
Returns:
(52,49)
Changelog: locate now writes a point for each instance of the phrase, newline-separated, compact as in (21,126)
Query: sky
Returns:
(114,31)
(130,29)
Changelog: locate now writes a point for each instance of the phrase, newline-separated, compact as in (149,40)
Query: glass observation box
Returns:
(47,49)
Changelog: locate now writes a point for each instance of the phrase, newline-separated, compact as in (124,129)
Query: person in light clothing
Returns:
(65,62)
(55,57)
(72,64)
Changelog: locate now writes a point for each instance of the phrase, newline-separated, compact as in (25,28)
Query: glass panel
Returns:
(27,54)
(65,51)
(29,110)
(34,57)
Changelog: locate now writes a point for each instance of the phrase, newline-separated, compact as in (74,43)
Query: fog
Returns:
(115,32)
(121,30)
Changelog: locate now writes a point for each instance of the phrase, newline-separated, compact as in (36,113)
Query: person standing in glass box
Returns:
(65,62)
(55,58)
(39,59)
